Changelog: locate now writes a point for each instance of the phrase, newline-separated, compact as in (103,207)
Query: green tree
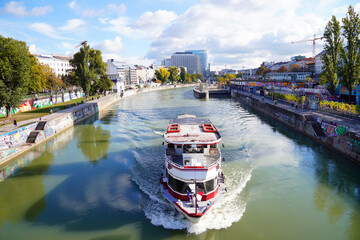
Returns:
(331,56)
(350,55)
(193,77)
(15,68)
(174,74)
(162,75)
(52,82)
(88,68)
(239,75)
(182,74)
(37,80)
(199,76)
(220,79)
(104,84)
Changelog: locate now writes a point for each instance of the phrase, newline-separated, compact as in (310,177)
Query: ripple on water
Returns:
(230,209)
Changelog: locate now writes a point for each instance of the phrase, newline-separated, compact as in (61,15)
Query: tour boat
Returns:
(192,179)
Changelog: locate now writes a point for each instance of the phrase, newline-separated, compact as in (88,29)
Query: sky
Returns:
(237,33)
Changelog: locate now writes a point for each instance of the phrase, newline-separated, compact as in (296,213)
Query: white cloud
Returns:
(107,10)
(153,23)
(111,46)
(237,32)
(120,25)
(18,9)
(45,29)
(342,10)
(73,25)
(32,49)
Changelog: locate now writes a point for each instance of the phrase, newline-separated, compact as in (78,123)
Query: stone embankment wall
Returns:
(339,138)
(20,140)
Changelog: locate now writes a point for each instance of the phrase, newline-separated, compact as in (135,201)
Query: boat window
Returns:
(170,145)
(193,149)
(200,187)
(177,185)
(178,146)
(211,185)
(213,146)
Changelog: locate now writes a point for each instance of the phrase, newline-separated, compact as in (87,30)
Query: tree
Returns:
(162,75)
(88,68)
(331,56)
(174,74)
(182,74)
(239,75)
(282,69)
(262,70)
(104,84)
(52,82)
(199,76)
(350,55)
(295,68)
(15,68)
(37,80)
(220,79)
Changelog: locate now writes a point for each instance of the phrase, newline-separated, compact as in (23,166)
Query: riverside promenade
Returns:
(339,133)
(29,133)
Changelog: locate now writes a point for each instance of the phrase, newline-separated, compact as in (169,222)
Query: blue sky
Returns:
(237,33)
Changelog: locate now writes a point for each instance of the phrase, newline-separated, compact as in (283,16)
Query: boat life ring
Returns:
(172,128)
(207,127)
(212,151)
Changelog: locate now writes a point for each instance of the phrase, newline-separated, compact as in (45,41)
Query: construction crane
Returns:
(310,40)
(82,43)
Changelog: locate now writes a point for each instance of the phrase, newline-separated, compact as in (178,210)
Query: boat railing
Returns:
(207,161)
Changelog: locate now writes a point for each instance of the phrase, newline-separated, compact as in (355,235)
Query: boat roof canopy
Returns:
(190,121)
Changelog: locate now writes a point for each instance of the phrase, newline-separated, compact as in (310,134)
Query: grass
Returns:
(40,112)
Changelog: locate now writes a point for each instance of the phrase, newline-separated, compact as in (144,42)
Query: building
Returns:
(295,58)
(166,62)
(188,60)
(60,64)
(319,63)
(204,60)
(116,72)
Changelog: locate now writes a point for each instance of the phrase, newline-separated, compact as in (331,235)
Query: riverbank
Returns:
(17,141)
(340,134)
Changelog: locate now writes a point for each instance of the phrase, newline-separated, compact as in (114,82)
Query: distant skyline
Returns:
(238,34)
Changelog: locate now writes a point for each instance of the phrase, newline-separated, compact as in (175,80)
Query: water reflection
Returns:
(337,190)
(93,142)
(23,188)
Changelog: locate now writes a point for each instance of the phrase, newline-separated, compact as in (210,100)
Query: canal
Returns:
(100,179)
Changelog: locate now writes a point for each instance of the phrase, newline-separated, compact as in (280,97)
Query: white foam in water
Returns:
(229,210)
(158,133)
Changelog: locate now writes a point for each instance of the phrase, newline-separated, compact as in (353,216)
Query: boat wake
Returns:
(156,208)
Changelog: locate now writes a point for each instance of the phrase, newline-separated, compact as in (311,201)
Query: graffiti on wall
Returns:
(32,104)
(354,145)
(16,138)
(285,118)
(332,129)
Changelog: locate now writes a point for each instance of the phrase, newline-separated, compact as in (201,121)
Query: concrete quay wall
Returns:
(339,138)
(16,142)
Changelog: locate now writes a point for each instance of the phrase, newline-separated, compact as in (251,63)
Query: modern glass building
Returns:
(204,60)
(187,59)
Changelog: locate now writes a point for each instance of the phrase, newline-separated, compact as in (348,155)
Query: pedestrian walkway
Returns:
(354,124)
(10,126)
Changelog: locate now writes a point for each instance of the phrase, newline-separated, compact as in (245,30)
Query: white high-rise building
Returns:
(188,60)
(60,64)
(319,63)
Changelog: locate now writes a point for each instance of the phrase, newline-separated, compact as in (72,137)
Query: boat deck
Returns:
(208,160)
(191,131)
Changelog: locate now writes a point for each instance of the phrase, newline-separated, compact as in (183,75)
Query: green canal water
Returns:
(100,179)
